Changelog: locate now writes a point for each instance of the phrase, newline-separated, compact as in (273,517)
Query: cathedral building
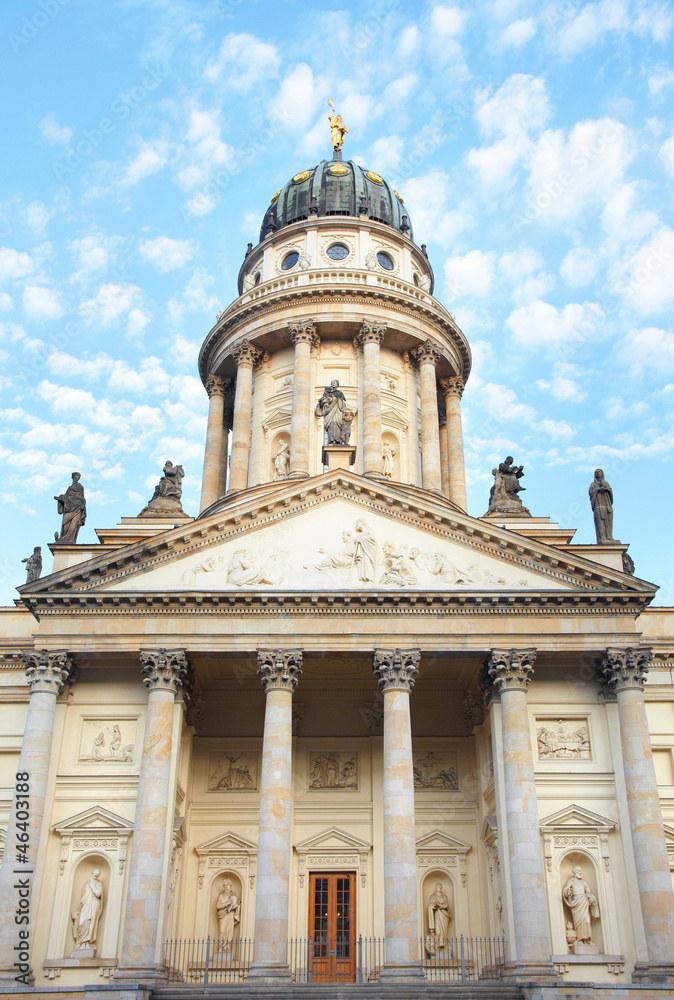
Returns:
(335,728)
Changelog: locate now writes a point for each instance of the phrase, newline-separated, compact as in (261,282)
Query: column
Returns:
(246,357)
(47,674)
(453,390)
(427,357)
(279,671)
(210,483)
(510,672)
(224,460)
(166,673)
(303,335)
(624,671)
(396,672)
(444,465)
(371,336)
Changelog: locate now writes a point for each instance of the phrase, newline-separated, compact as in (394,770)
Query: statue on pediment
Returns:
(33,565)
(332,407)
(166,498)
(601,499)
(73,506)
(503,497)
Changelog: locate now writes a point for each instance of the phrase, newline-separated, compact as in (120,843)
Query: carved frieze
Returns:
(436,769)
(107,741)
(233,771)
(329,769)
(563,739)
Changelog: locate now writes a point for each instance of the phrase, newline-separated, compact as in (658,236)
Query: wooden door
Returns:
(332,927)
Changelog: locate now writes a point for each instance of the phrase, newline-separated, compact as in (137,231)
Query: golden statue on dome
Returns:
(337,128)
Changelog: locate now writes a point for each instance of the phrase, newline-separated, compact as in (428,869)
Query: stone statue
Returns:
(33,565)
(503,497)
(364,552)
(86,919)
(73,506)
(167,493)
(332,406)
(439,915)
(601,498)
(582,902)
(282,461)
(347,421)
(337,128)
(388,454)
(571,936)
(228,906)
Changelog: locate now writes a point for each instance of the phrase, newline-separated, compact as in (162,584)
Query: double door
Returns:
(332,927)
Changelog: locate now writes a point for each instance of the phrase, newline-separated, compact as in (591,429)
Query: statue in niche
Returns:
(72,505)
(582,902)
(86,919)
(33,565)
(228,906)
(282,461)
(438,914)
(388,454)
(503,496)
(331,406)
(571,936)
(167,493)
(601,499)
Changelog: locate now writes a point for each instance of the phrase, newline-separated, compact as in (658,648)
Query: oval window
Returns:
(258,278)
(385,261)
(290,260)
(338,251)
(416,279)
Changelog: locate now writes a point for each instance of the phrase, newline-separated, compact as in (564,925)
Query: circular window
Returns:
(290,260)
(385,261)
(258,278)
(338,251)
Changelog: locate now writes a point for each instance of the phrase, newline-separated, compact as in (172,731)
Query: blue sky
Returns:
(533,144)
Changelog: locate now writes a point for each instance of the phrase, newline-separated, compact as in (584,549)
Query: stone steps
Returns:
(343,991)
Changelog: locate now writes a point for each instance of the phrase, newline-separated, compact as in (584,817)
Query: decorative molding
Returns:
(166,670)
(245,354)
(453,386)
(510,669)
(623,669)
(576,826)
(333,848)
(438,848)
(428,354)
(303,331)
(48,671)
(227,851)
(372,331)
(216,385)
(279,669)
(396,669)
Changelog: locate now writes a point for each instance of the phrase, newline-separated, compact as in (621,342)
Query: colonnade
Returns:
(507,675)
(442,460)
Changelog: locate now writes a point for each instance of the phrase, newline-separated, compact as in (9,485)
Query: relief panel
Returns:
(232,770)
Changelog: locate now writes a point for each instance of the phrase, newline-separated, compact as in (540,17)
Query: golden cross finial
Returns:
(337,127)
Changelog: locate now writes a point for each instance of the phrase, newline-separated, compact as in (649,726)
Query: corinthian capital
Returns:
(511,669)
(245,354)
(396,669)
(303,331)
(216,385)
(166,670)
(279,669)
(428,354)
(452,386)
(371,332)
(625,668)
(48,670)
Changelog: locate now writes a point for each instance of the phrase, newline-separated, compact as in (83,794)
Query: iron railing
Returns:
(335,960)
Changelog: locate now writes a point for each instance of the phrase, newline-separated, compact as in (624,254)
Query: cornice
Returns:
(235,321)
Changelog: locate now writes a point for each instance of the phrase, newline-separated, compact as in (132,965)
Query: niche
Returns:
(589,874)
(85,935)
(232,899)
(439,913)
(390,456)
(280,456)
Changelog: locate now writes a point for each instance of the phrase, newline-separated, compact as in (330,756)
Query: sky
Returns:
(532,142)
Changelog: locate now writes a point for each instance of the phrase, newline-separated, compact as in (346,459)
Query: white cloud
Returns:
(147,377)
(649,347)
(93,252)
(427,198)
(109,303)
(166,253)
(557,428)
(541,324)
(590,23)
(562,387)
(622,220)
(205,152)
(448,21)
(519,106)
(14,264)
(660,78)
(149,159)
(53,133)
(501,402)
(517,34)
(666,154)
(136,322)
(296,102)
(655,21)
(645,277)
(36,215)
(243,61)
(470,274)
(579,267)
(409,42)
(5,302)
(41,303)
(518,264)
(60,363)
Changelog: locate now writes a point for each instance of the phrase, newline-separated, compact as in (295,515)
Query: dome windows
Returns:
(338,251)
(290,260)
(385,260)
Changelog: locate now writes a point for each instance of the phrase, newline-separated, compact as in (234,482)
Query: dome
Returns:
(338,187)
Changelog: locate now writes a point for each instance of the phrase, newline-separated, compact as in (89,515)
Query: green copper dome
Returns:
(336,187)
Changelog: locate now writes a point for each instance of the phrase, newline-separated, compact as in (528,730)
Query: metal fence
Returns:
(334,960)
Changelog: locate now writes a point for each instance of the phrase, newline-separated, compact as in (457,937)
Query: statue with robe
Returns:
(601,499)
(87,917)
(364,552)
(73,507)
(33,565)
(332,406)
(228,906)
(503,497)
(438,915)
(282,461)
(583,905)
(167,493)
(338,129)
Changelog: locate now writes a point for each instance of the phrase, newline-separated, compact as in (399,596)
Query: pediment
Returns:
(94,820)
(333,841)
(441,842)
(304,537)
(226,843)
(574,817)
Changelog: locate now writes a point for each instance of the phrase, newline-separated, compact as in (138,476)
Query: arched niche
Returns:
(232,857)
(442,858)
(277,439)
(217,886)
(86,866)
(391,443)
(582,860)
(435,885)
